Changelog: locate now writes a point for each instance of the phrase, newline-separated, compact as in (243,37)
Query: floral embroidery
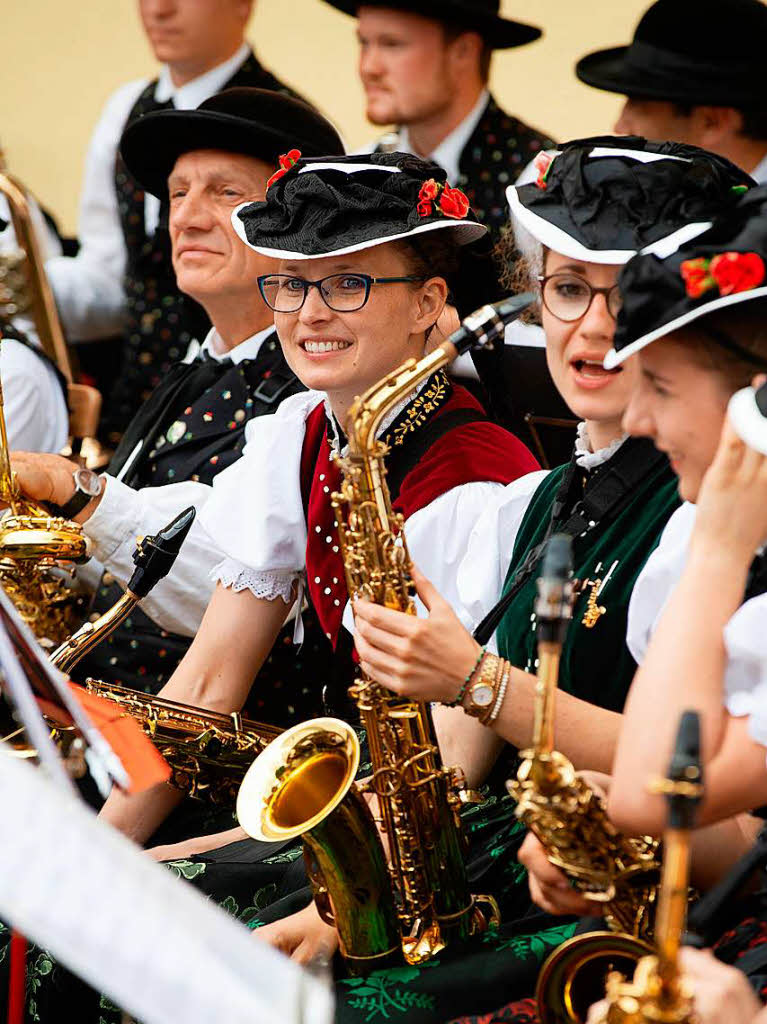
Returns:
(543,164)
(287,160)
(451,202)
(187,869)
(427,402)
(380,995)
(536,946)
(730,272)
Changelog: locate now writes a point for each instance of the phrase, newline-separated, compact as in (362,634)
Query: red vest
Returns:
(472,452)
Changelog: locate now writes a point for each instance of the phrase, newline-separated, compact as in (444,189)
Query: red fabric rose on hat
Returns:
(542,164)
(453,203)
(286,162)
(737,271)
(429,192)
(696,277)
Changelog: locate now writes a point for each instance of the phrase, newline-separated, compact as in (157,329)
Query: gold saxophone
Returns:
(37,554)
(617,872)
(658,993)
(303,783)
(208,752)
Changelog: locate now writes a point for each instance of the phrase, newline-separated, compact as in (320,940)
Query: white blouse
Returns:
(255,515)
(745,636)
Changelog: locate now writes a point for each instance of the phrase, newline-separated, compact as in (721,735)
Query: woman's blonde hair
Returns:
(520,259)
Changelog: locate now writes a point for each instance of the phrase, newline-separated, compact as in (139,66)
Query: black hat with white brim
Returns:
(603,199)
(723,267)
(334,206)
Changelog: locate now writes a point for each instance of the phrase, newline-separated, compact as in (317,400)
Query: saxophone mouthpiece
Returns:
(481,328)
(555,589)
(683,786)
(154,556)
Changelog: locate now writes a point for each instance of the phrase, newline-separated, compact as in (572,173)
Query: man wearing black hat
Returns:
(425,66)
(121,282)
(694,72)
(205,162)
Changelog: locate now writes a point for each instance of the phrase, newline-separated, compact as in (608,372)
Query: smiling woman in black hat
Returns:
(694,72)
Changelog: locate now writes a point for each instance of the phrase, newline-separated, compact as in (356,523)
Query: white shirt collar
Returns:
(213,345)
(448,152)
(588,459)
(759,173)
(191,95)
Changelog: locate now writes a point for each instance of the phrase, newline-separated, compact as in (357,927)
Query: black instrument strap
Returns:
(607,494)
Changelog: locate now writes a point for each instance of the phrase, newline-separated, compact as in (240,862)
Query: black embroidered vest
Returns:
(160,322)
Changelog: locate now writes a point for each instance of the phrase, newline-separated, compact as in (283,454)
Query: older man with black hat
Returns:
(694,72)
(205,162)
(425,66)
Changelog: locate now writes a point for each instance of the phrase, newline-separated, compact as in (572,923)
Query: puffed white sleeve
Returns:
(745,682)
(88,287)
(488,550)
(255,516)
(123,515)
(657,579)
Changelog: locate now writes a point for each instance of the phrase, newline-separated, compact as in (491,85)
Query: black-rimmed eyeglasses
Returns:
(568,297)
(343,293)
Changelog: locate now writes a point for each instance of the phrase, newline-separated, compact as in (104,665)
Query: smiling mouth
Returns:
(316,347)
(593,368)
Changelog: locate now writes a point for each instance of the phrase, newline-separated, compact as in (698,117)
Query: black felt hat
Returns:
(481,16)
(329,206)
(723,267)
(603,199)
(253,122)
(688,51)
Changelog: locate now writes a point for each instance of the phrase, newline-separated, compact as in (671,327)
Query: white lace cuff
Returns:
(266,585)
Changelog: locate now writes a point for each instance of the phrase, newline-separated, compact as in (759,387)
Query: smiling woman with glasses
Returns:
(343,293)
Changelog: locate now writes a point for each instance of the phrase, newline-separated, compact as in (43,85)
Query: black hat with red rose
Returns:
(337,205)
(721,268)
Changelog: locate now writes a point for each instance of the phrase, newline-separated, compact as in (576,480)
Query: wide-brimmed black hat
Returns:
(253,122)
(723,267)
(316,208)
(473,15)
(688,51)
(603,199)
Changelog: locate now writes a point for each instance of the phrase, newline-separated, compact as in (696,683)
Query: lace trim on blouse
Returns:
(266,585)
(585,457)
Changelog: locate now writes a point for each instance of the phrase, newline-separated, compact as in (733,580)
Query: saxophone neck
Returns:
(90,634)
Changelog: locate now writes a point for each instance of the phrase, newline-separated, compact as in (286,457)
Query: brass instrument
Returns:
(413,908)
(154,557)
(658,993)
(208,752)
(37,552)
(619,873)
(24,288)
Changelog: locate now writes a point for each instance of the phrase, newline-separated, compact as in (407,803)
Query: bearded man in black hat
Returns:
(425,67)
(205,163)
(694,73)
(120,285)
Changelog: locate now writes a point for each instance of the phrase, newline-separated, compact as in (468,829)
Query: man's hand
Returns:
(43,477)
(303,936)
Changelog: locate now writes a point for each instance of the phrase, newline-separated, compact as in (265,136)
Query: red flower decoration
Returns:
(286,162)
(453,203)
(542,164)
(737,271)
(429,191)
(730,272)
(696,277)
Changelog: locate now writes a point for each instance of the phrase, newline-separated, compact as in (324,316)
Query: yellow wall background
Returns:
(62,58)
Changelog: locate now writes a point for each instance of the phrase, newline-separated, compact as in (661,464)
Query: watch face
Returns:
(88,482)
(482,695)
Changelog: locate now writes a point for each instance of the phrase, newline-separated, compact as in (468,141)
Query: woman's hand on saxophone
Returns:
(550,888)
(302,936)
(424,658)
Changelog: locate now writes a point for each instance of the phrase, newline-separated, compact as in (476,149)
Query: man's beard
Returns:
(397,112)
